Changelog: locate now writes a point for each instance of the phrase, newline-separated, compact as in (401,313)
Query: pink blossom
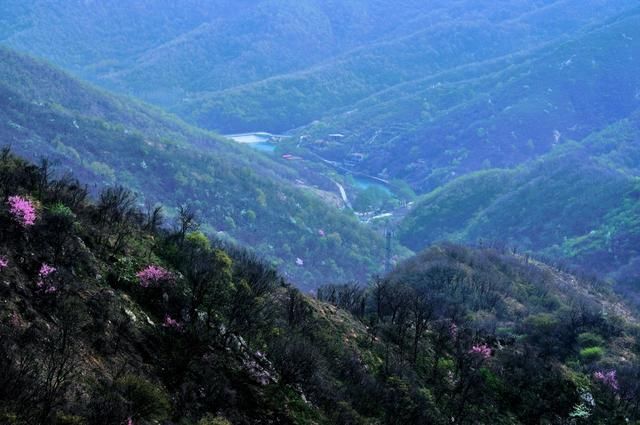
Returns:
(607,378)
(22,210)
(129,421)
(153,275)
(321,233)
(46,270)
(482,350)
(171,323)
(4,262)
(43,283)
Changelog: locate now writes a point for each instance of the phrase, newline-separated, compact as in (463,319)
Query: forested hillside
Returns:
(578,203)
(383,86)
(259,202)
(155,272)
(163,50)
(239,67)
(412,94)
(494,113)
(108,318)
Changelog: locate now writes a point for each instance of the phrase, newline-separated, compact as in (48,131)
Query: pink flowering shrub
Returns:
(129,421)
(44,283)
(609,379)
(482,350)
(171,323)
(45,270)
(153,275)
(22,210)
(4,262)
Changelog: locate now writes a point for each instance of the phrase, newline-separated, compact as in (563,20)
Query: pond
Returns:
(259,141)
(266,147)
(364,183)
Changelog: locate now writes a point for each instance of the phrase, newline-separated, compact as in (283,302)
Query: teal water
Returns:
(365,183)
(257,141)
(263,147)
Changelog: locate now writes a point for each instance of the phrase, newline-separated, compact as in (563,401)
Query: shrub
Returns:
(591,354)
(482,351)
(153,275)
(171,323)
(61,210)
(22,210)
(147,401)
(198,240)
(590,339)
(609,379)
(65,419)
(44,282)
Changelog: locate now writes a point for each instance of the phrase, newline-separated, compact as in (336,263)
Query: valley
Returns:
(319,212)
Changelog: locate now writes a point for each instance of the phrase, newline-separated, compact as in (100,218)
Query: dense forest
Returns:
(110,316)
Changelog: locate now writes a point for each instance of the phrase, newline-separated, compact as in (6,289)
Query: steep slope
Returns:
(578,203)
(497,113)
(106,140)
(105,320)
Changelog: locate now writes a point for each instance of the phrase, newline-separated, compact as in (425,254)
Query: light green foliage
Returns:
(103,170)
(591,354)
(62,211)
(199,240)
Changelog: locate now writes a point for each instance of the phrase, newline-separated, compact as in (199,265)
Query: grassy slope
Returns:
(106,140)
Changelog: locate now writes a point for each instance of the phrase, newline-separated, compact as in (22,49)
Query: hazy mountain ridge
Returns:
(447,40)
(181,52)
(456,123)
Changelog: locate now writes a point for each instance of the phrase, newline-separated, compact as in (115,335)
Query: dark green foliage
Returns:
(576,203)
(480,336)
